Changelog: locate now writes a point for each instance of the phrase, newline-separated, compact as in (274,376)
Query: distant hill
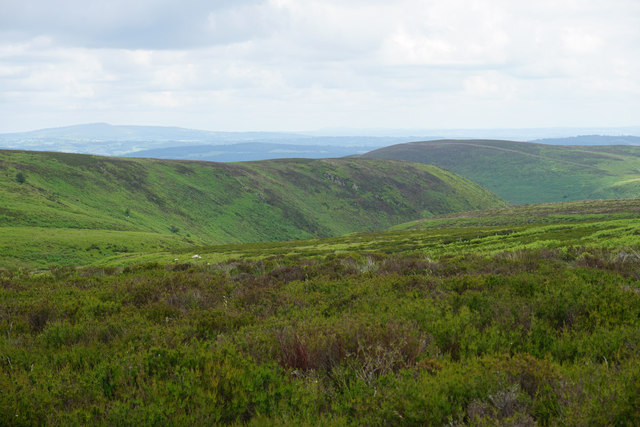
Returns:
(110,140)
(250,151)
(108,132)
(522,172)
(187,202)
(592,140)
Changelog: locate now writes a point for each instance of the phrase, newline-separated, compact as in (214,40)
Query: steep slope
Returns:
(201,202)
(522,172)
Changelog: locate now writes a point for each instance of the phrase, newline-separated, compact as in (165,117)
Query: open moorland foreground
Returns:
(525,315)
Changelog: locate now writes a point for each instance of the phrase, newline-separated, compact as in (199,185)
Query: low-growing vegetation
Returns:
(469,334)
(600,223)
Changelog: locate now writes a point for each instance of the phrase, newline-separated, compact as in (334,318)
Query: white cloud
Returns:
(292,64)
(581,42)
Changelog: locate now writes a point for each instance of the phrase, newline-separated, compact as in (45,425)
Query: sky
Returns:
(294,65)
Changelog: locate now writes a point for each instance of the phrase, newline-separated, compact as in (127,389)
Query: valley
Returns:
(185,203)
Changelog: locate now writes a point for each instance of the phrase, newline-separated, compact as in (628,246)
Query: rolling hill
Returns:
(74,208)
(522,172)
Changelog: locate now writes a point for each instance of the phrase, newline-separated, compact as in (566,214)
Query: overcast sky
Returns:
(310,64)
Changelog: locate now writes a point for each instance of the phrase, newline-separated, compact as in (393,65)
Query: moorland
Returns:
(464,311)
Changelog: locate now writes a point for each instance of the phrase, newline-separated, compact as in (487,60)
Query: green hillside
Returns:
(82,208)
(522,172)
(524,316)
(600,223)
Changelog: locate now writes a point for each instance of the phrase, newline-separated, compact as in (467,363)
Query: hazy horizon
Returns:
(347,131)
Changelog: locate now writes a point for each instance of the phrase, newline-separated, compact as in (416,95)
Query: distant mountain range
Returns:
(105,132)
(151,141)
(180,143)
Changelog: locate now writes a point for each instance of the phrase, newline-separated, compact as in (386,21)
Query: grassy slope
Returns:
(601,223)
(523,172)
(209,202)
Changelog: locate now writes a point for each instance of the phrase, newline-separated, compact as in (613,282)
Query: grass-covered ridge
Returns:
(499,320)
(185,203)
(522,172)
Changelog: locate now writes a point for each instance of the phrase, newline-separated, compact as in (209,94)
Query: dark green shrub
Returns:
(63,334)
(140,291)
(39,315)
(160,312)
(209,324)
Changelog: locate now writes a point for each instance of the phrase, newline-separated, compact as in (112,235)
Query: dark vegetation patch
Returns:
(183,170)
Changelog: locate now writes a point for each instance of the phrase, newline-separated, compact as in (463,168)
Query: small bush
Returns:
(209,324)
(39,315)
